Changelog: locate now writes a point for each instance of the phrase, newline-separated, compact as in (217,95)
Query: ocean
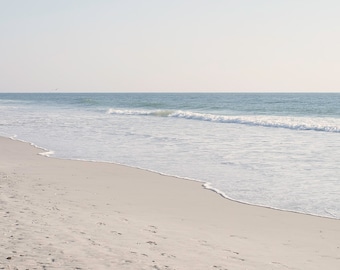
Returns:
(276,150)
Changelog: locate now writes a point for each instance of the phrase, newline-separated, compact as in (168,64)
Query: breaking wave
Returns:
(325,124)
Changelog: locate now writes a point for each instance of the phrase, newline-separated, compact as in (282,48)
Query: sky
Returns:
(170,46)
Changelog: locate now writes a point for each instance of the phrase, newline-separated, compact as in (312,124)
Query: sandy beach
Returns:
(63,214)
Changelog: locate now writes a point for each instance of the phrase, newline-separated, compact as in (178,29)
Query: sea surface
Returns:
(276,150)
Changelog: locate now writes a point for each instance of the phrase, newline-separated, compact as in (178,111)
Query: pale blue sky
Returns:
(164,46)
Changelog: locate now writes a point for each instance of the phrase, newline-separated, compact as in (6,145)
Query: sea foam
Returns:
(326,124)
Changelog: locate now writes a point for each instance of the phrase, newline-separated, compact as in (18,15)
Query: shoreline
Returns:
(204,184)
(90,215)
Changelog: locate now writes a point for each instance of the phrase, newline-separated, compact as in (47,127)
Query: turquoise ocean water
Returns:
(275,150)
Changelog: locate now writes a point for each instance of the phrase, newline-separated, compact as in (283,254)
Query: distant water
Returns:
(276,150)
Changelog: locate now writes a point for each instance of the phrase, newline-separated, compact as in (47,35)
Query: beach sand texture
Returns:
(63,214)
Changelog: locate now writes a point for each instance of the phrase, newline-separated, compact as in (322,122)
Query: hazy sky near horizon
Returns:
(165,46)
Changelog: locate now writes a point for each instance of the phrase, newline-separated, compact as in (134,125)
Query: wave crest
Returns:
(159,113)
(295,123)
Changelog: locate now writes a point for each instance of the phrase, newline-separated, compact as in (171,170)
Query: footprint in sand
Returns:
(151,228)
(152,243)
(115,232)
(169,256)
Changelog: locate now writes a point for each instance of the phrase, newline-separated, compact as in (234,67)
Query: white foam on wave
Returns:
(47,152)
(325,124)
(160,113)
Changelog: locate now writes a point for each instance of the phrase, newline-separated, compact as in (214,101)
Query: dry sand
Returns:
(62,214)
